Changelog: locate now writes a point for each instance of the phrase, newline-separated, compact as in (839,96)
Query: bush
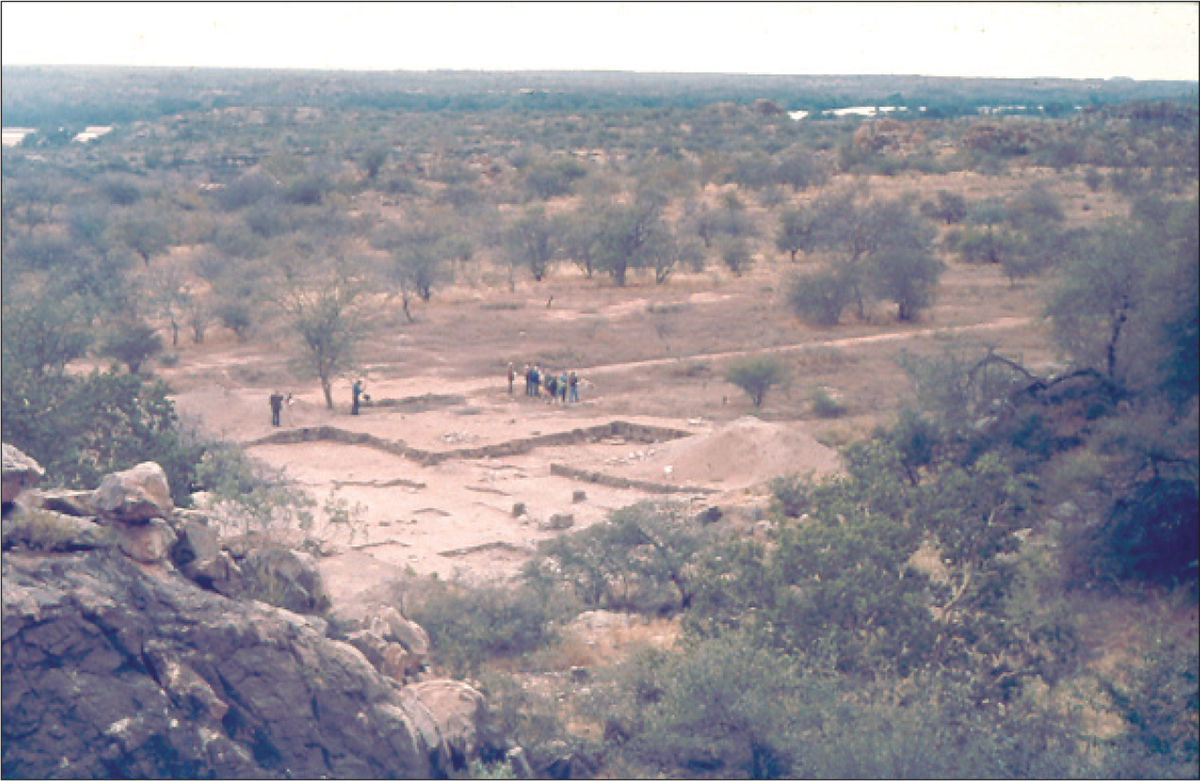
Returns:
(756,375)
(820,298)
(468,625)
(824,405)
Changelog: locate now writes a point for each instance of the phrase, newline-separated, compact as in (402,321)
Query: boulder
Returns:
(148,542)
(116,670)
(135,495)
(17,473)
(456,719)
(197,544)
(407,633)
(285,578)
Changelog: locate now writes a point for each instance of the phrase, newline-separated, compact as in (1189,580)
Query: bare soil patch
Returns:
(648,354)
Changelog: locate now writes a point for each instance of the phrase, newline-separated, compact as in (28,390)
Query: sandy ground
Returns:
(649,354)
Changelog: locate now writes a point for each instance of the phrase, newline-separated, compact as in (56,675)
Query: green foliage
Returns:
(726,708)
(756,375)
(639,558)
(906,276)
(468,624)
(82,428)
(795,232)
(1158,699)
(132,343)
(821,297)
(824,405)
(248,495)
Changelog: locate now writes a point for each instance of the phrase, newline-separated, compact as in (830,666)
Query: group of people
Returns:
(540,383)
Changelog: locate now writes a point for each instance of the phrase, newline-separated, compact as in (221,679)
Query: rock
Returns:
(710,515)
(113,670)
(578,496)
(460,718)
(409,634)
(558,522)
(46,530)
(221,575)
(197,543)
(19,471)
(285,578)
(148,542)
(135,495)
(77,503)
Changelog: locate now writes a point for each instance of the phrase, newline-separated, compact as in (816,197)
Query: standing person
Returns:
(562,387)
(512,375)
(287,406)
(551,387)
(573,386)
(537,381)
(355,391)
(276,407)
(528,380)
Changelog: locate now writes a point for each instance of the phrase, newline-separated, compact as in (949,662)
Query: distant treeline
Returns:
(45,97)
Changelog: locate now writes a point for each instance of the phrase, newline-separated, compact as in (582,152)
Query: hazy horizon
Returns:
(1138,41)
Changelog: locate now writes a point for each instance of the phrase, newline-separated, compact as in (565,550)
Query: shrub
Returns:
(824,405)
(467,624)
(756,375)
(820,298)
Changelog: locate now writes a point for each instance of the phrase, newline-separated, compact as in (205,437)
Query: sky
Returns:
(1139,40)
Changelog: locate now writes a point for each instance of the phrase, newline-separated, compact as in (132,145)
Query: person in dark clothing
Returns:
(573,387)
(356,390)
(512,375)
(551,387)
(276,407)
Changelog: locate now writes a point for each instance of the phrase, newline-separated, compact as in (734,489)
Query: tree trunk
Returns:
(327,389)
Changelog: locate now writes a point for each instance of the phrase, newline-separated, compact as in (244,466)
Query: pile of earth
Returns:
(743,453)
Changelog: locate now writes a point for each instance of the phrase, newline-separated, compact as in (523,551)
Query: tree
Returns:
(855,229)
(795,232)
(531,241)
(373,160)
(820,297)
(132,342)
(735,254)
(1100,297)
(624,231)
(756,375)
(43,332)
(906,276)
(799,169)
(950,207)
(321,302)
(145,234)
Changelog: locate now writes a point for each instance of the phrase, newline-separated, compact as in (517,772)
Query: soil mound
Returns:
(743,453)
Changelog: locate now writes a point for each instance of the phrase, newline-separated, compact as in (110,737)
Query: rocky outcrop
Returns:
(114,668)
(137,643)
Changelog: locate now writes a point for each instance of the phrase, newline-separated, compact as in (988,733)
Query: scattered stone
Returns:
(558,522)
(518,509)
(711,515)
(578,496)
